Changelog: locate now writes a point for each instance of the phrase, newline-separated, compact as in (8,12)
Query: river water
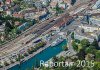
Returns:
(44,55)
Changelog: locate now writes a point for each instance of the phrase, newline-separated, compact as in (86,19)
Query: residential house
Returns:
(28,1)
(8,2)
(99,44)
(16,8)
(53,4)
(4,7)
(8,12)
(1,3)
(2,37)
(17,15)
(29,14)
(63,5)
(68,2)
(1,9)
(44,16)
(17,23)
(45,2)
(38,5)
(2,27)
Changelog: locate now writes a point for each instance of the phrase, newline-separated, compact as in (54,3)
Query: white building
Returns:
(80,36)
(38,5)
(28,1)
(29,15)
(8,12)
(45,2)
(93,11)
(87,33)
(89,28)
(95,20)
(97,5)
(63,5)
(2,28)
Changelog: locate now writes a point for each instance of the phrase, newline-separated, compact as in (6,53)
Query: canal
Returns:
(44,55)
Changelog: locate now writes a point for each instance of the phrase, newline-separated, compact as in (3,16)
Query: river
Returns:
(44,55)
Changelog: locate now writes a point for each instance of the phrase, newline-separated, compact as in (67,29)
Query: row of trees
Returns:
(31,50)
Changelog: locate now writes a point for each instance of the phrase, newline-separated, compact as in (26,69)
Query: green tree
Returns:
(6,63)
(85,43)
(72,35)
(81,54)
(96,66)
(89,49)
(95,43)
(65,48)
(99,37)
(75,46)
(97,58)
(55,59)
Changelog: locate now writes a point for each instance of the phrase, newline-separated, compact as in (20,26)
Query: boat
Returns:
(57,42)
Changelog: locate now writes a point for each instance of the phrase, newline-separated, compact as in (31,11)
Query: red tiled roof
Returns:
(62,21)
(17,23)
(17,15)
(8,0)
(53,3)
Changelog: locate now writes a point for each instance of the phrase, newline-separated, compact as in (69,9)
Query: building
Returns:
(29,15)
(16,8)
(63,22)
(17,23)
(94,20)
(78,34)
(23,26)
(18,15)
(63,5)
(44,16)
(97,5)
(32,13)
(1,9)
(1,3)
(53,4)
(4,7)
(8,1)
(99,44)
(2,28)
(8,12)
(93,11)
(73,2)
(89,28)
(38,5)
(45,2)
(28,1)
(87,32)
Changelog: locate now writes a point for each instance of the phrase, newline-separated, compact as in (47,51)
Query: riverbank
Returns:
(41,54)
(26,58)
(44,55)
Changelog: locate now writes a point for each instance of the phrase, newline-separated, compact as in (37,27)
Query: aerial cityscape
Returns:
(49,34)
